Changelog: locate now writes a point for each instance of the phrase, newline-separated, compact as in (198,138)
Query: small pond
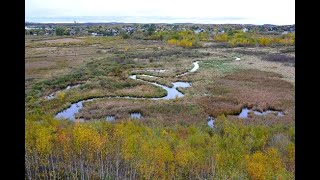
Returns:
(135,115)
(110,118)
(245,111)
(210,121)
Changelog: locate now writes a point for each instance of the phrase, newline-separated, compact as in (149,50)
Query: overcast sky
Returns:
(241,11)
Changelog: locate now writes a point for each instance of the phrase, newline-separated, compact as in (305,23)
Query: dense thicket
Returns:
(57,149)
(239,38)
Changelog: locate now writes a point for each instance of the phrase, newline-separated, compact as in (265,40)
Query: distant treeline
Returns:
(185,35)
(239,38)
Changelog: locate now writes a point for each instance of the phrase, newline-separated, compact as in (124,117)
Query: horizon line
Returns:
(118,22)
(149,20)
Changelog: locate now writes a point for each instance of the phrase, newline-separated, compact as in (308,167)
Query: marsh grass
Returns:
(277,57)
(157,80)
(222,65)
(227,86)
(288,50)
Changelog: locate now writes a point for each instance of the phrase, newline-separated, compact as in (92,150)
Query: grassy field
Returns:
(263,79)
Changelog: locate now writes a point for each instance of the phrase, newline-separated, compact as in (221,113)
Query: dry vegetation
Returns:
(102,65)
(176,129)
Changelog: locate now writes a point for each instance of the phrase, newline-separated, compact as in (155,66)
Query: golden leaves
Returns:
(266,165)
(232,150)
(43,140)
(61,95)
(86,139)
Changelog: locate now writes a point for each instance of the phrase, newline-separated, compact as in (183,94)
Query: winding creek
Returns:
(195,67)
(54,95)
(71,112)
(172,93)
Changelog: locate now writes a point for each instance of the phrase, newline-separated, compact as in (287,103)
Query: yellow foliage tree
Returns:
(172,42)
(86,139)
(221,37)
(61,95)
(185,43)
(43,141)
(264,41)
(267,165)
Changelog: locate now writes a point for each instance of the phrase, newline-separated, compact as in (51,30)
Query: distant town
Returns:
(137,29)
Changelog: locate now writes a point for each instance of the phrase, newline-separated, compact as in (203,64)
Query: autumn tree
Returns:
(60,31)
